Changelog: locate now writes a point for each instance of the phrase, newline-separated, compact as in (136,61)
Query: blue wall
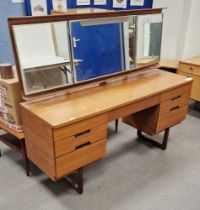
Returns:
(7,9)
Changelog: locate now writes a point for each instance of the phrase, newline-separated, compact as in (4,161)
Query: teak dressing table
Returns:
(66,129)
(67,132)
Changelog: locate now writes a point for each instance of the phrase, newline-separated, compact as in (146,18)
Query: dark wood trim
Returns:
(162,145)
(81,16)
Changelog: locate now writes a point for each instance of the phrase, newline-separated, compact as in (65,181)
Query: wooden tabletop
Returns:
(194,60)
(172,64)
(64,109)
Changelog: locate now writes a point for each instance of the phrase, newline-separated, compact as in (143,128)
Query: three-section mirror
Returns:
(55,54)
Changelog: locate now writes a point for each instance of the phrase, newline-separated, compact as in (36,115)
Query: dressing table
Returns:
(65,125)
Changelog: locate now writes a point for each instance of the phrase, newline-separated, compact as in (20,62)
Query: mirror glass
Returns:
(149,32)
(43,54)
(100,47)
(57,54)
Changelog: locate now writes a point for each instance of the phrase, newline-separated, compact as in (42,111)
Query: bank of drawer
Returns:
(195,85)
(174,103)
(70,144)
(174,94)
(171,118)
(79,127)
(188,68)
(80,157)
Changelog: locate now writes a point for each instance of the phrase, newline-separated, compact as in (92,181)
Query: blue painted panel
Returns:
(100,49)
(147,4)
(7,9)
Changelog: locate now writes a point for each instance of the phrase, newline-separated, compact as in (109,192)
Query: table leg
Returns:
(77,183)
(116,125)
(162,146)
(25,159)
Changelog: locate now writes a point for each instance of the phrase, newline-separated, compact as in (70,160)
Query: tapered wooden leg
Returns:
(77,182)
(162,145)
(25,159)
(116,125)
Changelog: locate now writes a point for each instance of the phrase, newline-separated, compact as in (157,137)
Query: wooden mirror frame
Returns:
(71,17)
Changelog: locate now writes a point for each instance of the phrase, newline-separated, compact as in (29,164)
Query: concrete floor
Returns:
(131,176)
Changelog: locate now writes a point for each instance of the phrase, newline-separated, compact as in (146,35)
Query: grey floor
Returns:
(131,176)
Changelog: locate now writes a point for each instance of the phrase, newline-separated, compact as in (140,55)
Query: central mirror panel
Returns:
(102,46)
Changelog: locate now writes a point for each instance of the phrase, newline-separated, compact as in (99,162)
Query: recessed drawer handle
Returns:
(175,98)
(174,108)
(83,145)
(82,133)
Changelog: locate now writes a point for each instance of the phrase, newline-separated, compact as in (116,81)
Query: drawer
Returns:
(174,103)
(70,144)
(171,118)
(188,68)
(195,86)
(176,93)
(80,157)
(79,127)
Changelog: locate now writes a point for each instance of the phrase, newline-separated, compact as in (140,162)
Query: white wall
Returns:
(192,40)
(171,26)
(181,30)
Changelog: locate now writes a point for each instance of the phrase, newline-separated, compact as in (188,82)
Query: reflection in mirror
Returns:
(149,32)
(43,54)
(102,46)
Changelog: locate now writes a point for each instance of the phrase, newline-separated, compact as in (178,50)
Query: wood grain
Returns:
(69,144)
(79,127)
(145,120)
(80,158)
(179,101)
(176,92)
(39,142)
(171,118)
(62,110)
(133,108)
(190,69)
(195,95)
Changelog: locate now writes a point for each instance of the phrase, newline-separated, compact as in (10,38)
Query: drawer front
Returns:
(195,86)
(79,127)
(133,108)
(174,103)
(70,144)
(188,68)
(80,157)
(171,118)
(174,94)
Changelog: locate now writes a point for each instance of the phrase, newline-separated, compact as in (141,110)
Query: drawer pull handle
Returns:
(191,69)
(82,133)
(174,108)
(83,145)
(175,98)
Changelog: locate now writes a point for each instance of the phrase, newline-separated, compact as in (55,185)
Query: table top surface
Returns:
(62,109)
(194,60)
(172,64)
